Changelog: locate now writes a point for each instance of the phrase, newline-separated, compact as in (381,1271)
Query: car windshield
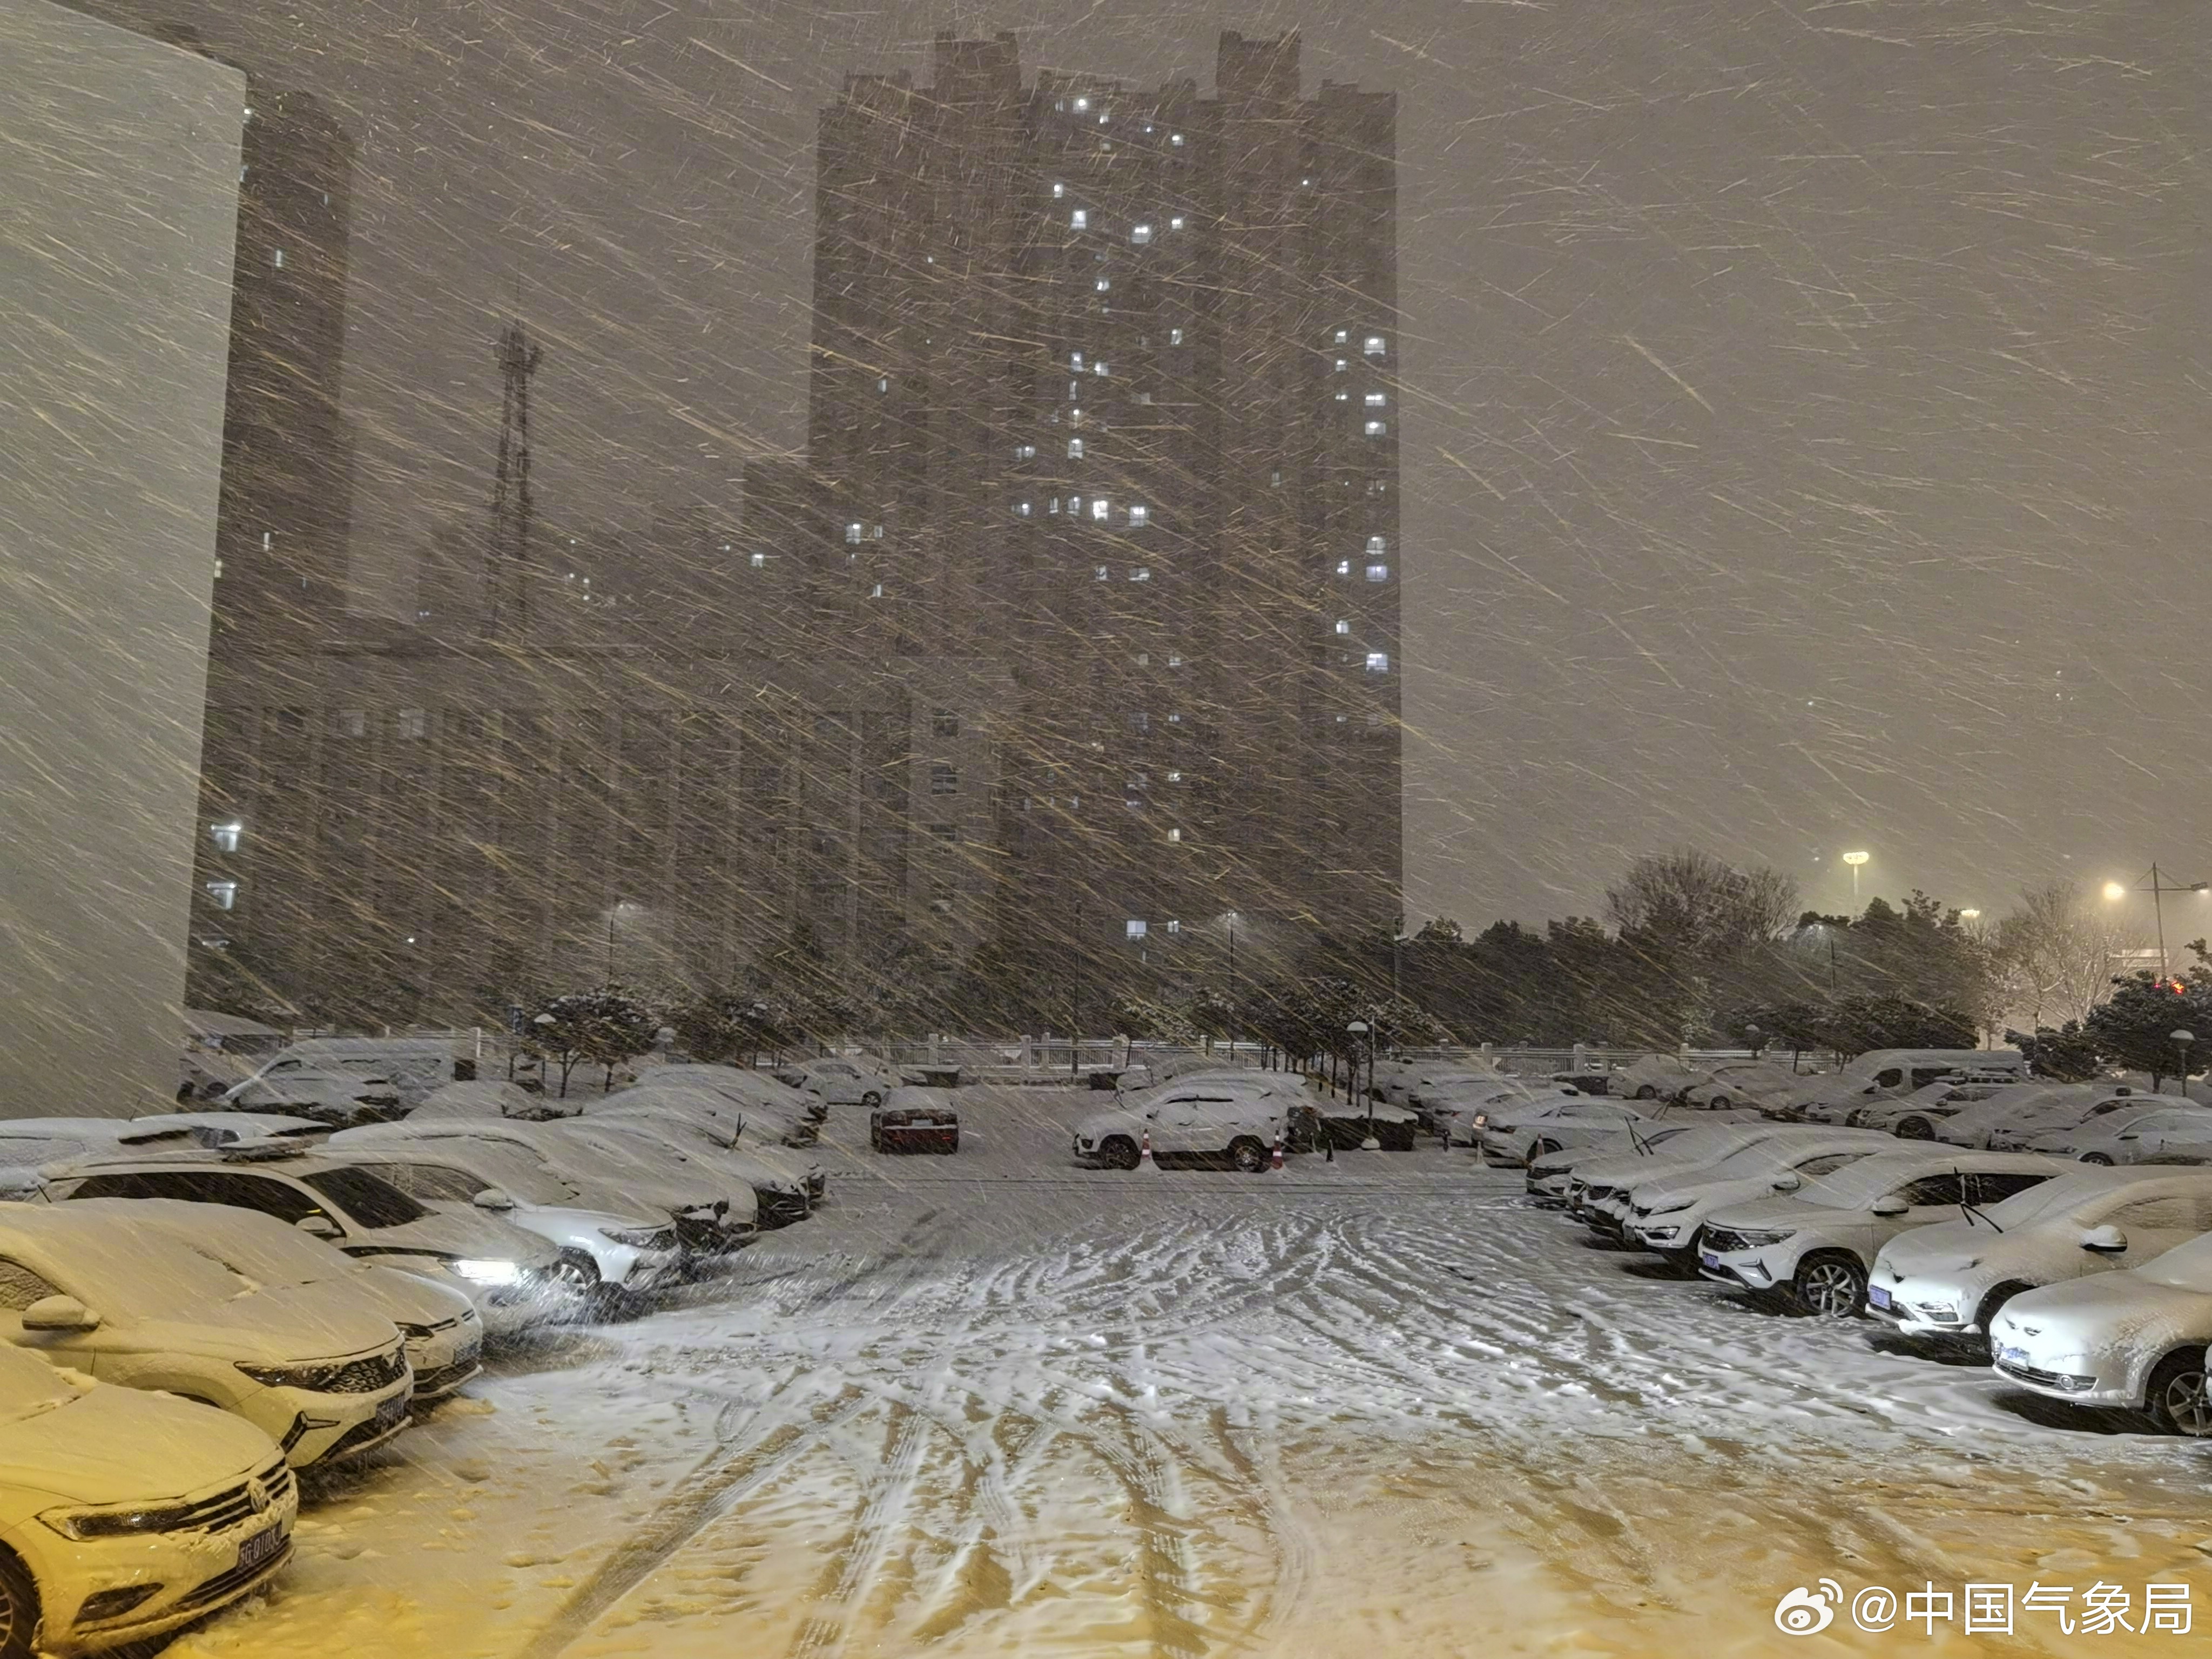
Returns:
(271,1254)
(372,1203)
(29,1386)
(2076,1190)
(519,1172)
(1752,1160)
(1857,1185)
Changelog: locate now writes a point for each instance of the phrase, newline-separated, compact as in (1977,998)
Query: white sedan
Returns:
(1515,1134)
(1665,1216)
(124,1514)
(2134,1339)
(2066,1114)
(2160,1129)
(1950,1280)
(1816,1245)
(1914,1117)
(1598,1187)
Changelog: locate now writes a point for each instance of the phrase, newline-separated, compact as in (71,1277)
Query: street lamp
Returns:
(1360,1030)
(2157,886)
(1854,859)
(1751,1031)
(2181,1041)
(1970,915)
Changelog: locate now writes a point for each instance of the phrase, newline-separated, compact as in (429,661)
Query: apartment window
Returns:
(1102,286)
(883,383)
(1175,337)
(223,895)
(1140,515)
(1075,505)
(1053,506)
(1082,104)
(1373,347)
(1074,390)
(1176,927)
(1098,508)
(949,832)
(413,723)
(1174,720)
(1075,449)
(1174,777)
(944,723)
(1143,572)
(351,722)
(1079,220)
(1059,190)
(1025,452)
(1075,359)
(944,780)
(1143,659)
(1378,662)
(1343,626)
(1376,544)
(1174,834)
(1378,573)
(267,540)
(1074,413)
(757,561)
(1344,566)
(1344,336)
(852,530)
(1175,139)
(225,836)
(1175,659)
(1135,927)
(1141,234)
(1176,224)
(1100,368)
(1343,397)
(1343,364)
(1378,486)
(1376,399)
(1101,574)
(280,258)
(876,592)
(1376,428)
(1022,509)
(1139,721)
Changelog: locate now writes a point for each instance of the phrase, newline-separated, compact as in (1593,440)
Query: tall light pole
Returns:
(1854,859)
(2181,1041)
(2157,886)
(1232,988)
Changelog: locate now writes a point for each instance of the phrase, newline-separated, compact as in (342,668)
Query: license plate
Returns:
(2016,1357)
(392,1411)
(262,1547)
(1708,1258)
(1877,1296)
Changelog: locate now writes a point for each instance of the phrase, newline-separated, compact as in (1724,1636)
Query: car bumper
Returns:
(1918,1309)
(1662,1234)
(318,1428)
(919,1138)
(444,1362)
(1746,1270)
(196,1573)
(1549,1190)
(2078,1379)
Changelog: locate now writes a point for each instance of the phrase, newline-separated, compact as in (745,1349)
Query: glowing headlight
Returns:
(488,1272)
(642,1238)
(85,1524)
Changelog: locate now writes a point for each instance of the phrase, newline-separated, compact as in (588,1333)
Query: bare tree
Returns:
(1696,905)
(2057,955)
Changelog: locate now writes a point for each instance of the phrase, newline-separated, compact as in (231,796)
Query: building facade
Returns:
(1104,384)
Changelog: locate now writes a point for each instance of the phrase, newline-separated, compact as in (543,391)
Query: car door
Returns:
(2154,1226)
(2163,1132)
(1183,1123)
(1930,1199)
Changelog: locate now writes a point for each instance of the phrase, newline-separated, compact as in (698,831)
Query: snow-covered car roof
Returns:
(491,1098)
(1859,1183)
(112,1262)
(97,1131)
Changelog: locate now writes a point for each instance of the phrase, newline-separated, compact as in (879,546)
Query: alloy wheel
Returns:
(2185,1403)
(1830,1289)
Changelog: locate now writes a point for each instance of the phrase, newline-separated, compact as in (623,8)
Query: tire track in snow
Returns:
(825,1630)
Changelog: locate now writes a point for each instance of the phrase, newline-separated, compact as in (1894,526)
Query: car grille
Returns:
(2062,1381)
(223,1584)
(446,1377)
(366,1376)
(781,1209)
(1597,1194)
(233,1504)
(1721,1241)
(359,1435)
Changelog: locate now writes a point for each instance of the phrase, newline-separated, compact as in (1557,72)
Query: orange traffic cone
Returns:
(1144,1151)
(1277,1162)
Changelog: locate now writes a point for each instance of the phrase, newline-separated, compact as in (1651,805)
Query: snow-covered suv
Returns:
(1513,1133)
(1665,1216)
(123,1513)
(1197,1120)
(1817,1244)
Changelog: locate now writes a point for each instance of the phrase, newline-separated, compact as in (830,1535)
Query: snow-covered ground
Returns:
(995,1404)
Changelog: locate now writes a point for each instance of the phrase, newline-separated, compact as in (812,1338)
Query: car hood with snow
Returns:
(89,1442)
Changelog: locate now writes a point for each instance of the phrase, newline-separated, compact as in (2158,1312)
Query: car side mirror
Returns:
(1890,1204)
(319,1225)
(491,1198)
(2105,1241)
(59,1313)
(2131,1135)
(1787,1184)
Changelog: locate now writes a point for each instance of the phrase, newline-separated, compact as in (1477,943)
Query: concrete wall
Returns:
(118,205)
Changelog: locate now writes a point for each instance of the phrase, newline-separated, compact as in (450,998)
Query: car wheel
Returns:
(1993,1304)
(578,1272)
(1717,1103)
(1248,1155)
(2096,1157)
(18,1609)
(1119,1153)
(875,1141)
(953,1145)
(2176,1397)
(1544,1148)
(871,1100)
(1916,1129)
(1832,1286)
(1647,1092)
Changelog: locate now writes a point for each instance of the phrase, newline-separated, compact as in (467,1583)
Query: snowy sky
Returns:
(1806,424)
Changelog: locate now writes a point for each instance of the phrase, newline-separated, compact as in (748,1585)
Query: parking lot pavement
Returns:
(995,1404)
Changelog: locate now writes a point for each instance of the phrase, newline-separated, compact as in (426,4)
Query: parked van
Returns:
(415,1065)
(1901,1071)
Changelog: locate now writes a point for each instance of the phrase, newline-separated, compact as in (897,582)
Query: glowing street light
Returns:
(1970,915)
(2157,886)
(2114,891)
(1854,859)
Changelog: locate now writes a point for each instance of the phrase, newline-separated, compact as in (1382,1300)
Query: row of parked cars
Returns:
(195,1307)
(2085,1281)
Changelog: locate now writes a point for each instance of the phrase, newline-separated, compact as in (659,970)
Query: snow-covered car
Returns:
(506,1272)
(693,1157)
(912,1120)
(2067,1127)
(1972,1125)
(1739,1083)
(1951,1279)
(1666,1215)
(311,1366)
(1914,1116)
(28,1144)
(125,1513)
(1449,1108)
(1550,1176)
(1421,1092)
(1515,1134)
(607,1239)
(2146,1135)
(1196,1121)
(1658,1077)
(843,1080)
(774,1113)
(2134,1339)
(1816,1245)
(494,1097)
(1353,1123)
(329,1094)
(438,1326)
(787,1182)
(218,1131)
(1602,1172)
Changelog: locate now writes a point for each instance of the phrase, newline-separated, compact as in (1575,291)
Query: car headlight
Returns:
(641,1238)
(1676,1208)
(1661,1232)
(316,1379)
(1756,1239)
(84,1524)
(485,1270)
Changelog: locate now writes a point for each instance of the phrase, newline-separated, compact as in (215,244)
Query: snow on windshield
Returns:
(28,1385)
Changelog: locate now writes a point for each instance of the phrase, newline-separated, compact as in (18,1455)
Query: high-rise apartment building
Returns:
(1104,386)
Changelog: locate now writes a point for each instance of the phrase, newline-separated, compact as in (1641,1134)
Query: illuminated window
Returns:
(267,540)
(1143,572)
(1022,510)
(1174,777)
(1136,927)
(1075,359)
(1175,337)
(1140,515)
(1375,545)
(1344,336)
(1075,449)
(1342,626)
(1100,368)
(1343,397)
(1082,104)
(1098,506)
(1025,452)
(223,895)
(1342,364)
(758,560)
(1101,574)
(1075,505)
(1059,190)
(1378,662)
(1141,232)
(1378,573)
(883,384)
(1176,927)
(280,258)
(225,836)
(1174,835)
(1376,428)
(852,530)
(1053,506)
(1344,566)
(1376,399)
(1175,659)
(1176,224)
(1175,138)
(1079,220)
(877,592)
(1373,347)
(1102,286)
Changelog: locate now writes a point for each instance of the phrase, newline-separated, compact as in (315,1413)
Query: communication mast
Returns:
(507,562)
